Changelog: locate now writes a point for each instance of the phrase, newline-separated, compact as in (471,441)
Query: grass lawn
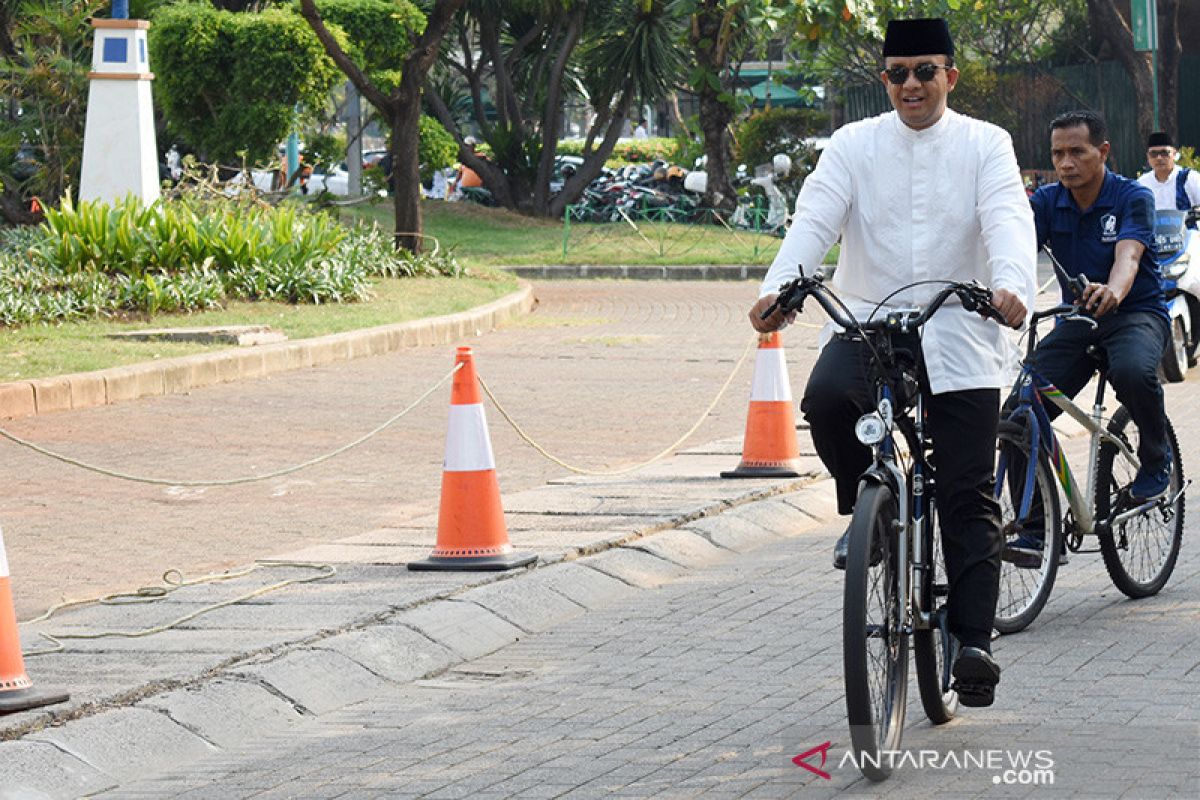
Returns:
(482,238)
(39,351)
(493,236)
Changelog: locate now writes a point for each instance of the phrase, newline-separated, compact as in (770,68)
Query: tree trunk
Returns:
(593,162)
(406,202)
(709,40)
(1170,52)
(1108,24)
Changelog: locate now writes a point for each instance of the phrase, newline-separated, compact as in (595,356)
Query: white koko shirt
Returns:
(941,204)
(1164,191)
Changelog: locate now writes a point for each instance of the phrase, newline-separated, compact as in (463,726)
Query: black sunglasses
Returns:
(924,72)
(1164,153)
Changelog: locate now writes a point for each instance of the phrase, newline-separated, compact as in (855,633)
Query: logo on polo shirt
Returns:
(1108,228)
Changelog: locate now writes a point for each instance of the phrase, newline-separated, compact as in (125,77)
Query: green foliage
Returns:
(1188,158)
(379,34)
(229,83)
(47,78)
(630,151)
(95,259)
(779,130)
(323,150)
(437,149)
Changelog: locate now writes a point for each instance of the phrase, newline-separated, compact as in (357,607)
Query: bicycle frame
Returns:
(1032,390)
(886,468)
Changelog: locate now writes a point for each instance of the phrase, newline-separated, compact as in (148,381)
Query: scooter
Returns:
(1177,249)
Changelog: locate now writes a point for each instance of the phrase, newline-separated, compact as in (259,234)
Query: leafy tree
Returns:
(230,82)
(398,103)
(46,52)
(531,57)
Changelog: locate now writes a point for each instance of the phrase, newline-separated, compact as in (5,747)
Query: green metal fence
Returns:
(1026,98)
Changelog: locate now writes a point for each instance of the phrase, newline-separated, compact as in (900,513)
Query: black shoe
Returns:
(841,550)
(976,674)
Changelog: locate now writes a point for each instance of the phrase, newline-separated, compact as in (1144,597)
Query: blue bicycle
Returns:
(1138,541)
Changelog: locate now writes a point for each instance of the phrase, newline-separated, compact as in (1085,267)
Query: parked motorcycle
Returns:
(1176,247)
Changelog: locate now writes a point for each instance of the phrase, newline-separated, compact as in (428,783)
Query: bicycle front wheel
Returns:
(1026,577)
(1141,552)
(874,642)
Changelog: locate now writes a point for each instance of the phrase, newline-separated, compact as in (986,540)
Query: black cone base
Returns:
(474,563)
(25,699)
(761,472)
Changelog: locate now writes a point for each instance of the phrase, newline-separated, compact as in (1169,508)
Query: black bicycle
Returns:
(896,584)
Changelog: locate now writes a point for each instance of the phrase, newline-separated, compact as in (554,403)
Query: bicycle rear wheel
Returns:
(1025,588)
(1140,553)
(874,643)
(933,646)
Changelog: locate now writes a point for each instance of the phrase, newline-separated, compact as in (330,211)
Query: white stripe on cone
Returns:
(468,448)
(770,376)
(3,558)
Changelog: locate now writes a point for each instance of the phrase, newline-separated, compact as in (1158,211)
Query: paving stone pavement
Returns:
(760,668)
(708,686)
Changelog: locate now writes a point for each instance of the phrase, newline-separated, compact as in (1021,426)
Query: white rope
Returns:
(662,454)
(149,594)
(227,481)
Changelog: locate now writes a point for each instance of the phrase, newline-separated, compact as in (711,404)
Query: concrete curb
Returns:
(701,272)
(182,374)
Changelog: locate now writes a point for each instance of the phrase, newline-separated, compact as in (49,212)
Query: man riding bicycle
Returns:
(1101,226)
(921,194)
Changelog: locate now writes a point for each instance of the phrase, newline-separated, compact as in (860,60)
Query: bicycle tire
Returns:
(1024,591)
(932,647)
(1127,550)
(874,644)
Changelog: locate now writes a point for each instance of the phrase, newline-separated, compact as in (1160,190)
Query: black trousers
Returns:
(962,427)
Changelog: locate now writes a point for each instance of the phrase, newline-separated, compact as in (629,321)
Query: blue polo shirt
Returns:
(1085,241)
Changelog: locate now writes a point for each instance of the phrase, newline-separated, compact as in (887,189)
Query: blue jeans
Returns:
(1134,342)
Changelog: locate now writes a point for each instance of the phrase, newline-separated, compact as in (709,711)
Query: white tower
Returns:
(120,156)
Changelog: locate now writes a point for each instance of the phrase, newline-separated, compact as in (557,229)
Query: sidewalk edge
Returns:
(179,375)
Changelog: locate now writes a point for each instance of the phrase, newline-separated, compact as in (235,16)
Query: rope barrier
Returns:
(150,594)
(228,481)
(662,454)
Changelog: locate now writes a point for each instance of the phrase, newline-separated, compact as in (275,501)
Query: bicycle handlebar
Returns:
(974,297)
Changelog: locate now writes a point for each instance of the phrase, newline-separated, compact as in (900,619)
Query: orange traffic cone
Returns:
(471,532)
(16,690)
(770,449)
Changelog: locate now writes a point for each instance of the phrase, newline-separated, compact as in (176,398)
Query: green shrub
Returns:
(632,151)
(191,254)
(779,130)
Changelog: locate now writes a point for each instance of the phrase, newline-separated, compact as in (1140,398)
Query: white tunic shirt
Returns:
(941,204)
(1164,191)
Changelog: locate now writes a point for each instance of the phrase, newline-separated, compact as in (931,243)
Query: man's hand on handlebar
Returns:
(775,321)
(1099,299)
(1009,306)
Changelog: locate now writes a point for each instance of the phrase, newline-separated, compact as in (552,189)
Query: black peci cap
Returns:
(918,37)
(1159,139)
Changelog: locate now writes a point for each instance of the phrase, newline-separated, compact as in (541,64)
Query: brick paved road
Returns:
(604,373)
(709,685)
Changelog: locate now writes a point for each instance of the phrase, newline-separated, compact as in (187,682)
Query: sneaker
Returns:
(1024,552)
(1150,484)
(976,674)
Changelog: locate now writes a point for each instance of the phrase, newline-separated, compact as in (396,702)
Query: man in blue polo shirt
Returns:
(1100,225)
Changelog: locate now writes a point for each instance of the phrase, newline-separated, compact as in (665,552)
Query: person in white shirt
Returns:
(921,194)
(1174,187)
